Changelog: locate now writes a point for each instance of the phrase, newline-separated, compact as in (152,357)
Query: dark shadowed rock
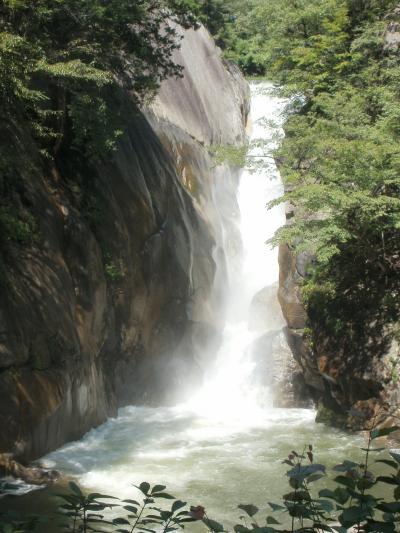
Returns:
(111,304)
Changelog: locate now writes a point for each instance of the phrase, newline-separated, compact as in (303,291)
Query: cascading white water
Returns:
(228,392)
(225,444)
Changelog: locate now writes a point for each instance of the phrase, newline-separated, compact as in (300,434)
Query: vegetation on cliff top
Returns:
(339,62)
(65,68)
(341,164)
(58,56)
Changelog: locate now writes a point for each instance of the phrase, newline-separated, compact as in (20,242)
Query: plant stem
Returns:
(84,520)
(139,516)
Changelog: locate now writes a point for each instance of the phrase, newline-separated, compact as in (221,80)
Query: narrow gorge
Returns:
(226,434)
(199,259)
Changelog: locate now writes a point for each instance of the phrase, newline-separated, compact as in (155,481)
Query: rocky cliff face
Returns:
(352,377)
(110,302)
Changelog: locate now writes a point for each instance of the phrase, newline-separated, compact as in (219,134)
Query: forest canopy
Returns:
(58,57)
(338,61)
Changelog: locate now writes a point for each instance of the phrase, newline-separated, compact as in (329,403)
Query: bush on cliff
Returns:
(57,57)
(339,62)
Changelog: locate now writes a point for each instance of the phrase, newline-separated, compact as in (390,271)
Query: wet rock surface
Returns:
(31,475)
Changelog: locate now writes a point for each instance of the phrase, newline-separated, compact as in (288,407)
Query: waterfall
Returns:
(229,391)
(226,443)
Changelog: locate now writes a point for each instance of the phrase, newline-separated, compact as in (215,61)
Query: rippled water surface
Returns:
(216,463)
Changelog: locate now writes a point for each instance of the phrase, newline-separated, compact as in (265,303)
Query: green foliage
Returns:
(57,59)
(302,41)
(340,159)
(216,16)
(111,268)
(85,513)
(112,271)
(231,155)
(15,227)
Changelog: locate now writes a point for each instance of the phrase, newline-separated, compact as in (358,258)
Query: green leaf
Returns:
(240,529)
(178,504)
(393,464)
(131,509)
(133,502)
(302,472)
(383,432)
(346,481)
(121,522)
(327,493)
(165,515)
(74,487)
(158,488)
(346,466)
(390,480)
(297,496)
(272,520)
(249,509)
(215,527)
(365,483)
(353,515)
(315,477)
(326,505)
(144,487)
(380,527)
(96,496)
(276,507)
(389,507)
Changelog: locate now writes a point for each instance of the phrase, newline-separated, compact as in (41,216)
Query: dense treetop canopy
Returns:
(340,159)
(58,56)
